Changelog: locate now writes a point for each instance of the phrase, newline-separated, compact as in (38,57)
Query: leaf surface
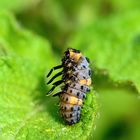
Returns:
(25,111)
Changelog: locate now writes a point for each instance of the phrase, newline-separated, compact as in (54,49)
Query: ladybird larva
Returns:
(76,77)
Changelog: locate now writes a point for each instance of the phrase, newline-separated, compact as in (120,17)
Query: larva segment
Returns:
(69,114)
(75,92)
(71,99)
(69,107)
(83,88)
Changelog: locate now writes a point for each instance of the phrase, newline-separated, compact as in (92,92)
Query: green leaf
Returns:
(25,111)
(119,115)
(17,5)
(113,45)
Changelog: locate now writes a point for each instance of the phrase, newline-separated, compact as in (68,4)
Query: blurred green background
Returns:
(33,36)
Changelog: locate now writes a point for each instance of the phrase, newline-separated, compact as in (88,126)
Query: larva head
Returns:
(73,54)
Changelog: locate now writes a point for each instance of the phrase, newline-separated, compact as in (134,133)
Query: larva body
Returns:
(76,77)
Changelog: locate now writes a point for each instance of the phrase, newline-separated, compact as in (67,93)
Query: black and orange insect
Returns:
(76,77)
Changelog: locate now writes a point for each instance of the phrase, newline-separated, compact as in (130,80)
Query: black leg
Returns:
(58,82)
(58,74)
(55,85)
(51,90)
(54,68)
(57,94)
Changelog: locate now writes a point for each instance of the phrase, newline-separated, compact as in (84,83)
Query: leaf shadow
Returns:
(49,103)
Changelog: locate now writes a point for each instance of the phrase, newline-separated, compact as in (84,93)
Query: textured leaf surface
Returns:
(113,44)
(25,111)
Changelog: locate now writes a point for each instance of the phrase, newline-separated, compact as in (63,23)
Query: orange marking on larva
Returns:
(89,81)
(68,99)
(80,102)
(75,101)
(75,56)
(85,82)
